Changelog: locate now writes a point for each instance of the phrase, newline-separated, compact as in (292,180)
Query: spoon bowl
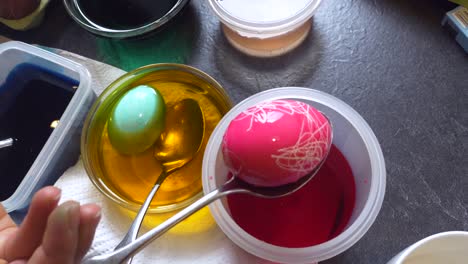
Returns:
(183,135)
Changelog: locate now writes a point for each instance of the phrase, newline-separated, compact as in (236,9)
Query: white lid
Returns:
(251,18)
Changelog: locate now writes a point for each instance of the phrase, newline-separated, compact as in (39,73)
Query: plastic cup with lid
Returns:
(265,28)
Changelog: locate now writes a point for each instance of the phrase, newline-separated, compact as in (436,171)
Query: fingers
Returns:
(90,215)
(29,235)
(7,229)
(61,236)
(5,220)
(49,234)
(18,262)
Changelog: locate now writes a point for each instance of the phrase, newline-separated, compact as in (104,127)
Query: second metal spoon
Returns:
(178,144)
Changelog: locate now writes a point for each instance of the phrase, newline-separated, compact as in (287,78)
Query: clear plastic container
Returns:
(61,149)
(265,28)
(355,139)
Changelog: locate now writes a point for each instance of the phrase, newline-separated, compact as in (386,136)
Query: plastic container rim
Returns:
(264,30)
(327,249)
(19,198)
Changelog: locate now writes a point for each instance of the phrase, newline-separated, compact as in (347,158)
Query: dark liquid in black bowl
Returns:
(30,100)
(125,14)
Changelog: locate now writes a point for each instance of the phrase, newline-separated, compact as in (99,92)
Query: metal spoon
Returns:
(6,143)
(177,145)
(233,185)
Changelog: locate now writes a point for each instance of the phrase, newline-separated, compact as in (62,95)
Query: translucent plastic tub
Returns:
(265,28)
(61,149)
(355,139)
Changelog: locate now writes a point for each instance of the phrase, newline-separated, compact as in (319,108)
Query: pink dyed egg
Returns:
(276,142)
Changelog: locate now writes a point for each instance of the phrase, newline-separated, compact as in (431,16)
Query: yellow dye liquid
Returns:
(131,177)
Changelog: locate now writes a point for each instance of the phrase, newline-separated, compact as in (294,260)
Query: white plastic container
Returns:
(265,28)
(355,139)
(446,247)
(61,150)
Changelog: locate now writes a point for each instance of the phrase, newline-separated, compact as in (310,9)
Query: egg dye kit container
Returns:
(44,99)
(265,28)
(352,136)
(126,179)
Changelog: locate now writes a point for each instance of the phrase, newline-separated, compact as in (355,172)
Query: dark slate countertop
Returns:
(390,60)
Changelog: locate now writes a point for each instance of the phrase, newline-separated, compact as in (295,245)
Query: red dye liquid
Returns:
(314,214)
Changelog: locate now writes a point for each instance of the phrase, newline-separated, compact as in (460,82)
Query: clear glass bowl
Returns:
(126,179)
(73,9)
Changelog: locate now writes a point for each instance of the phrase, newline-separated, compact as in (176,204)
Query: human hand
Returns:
(50,233)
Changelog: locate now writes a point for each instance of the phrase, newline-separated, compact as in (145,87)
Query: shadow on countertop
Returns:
(252,75)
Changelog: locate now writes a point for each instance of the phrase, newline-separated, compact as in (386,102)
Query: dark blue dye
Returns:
(31,98)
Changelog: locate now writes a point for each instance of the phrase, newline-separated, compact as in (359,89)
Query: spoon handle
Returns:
(132,232)
(6,143)
(121,254)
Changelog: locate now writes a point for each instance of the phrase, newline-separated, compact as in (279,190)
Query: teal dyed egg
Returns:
(136,120)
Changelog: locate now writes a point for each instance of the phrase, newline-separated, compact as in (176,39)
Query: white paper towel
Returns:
(196,240)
